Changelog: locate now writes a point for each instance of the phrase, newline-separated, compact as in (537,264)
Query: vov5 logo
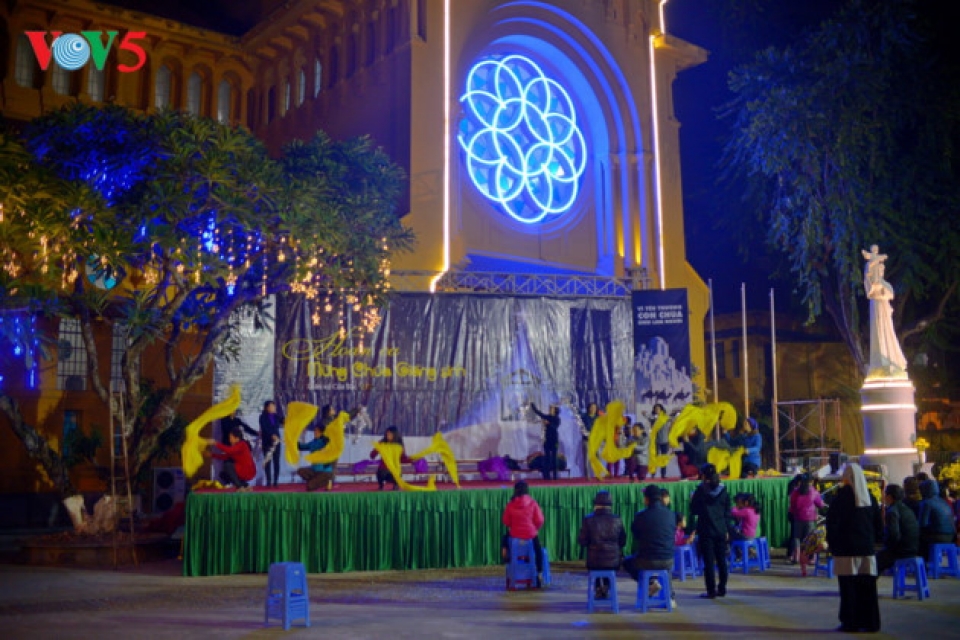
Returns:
(72,51)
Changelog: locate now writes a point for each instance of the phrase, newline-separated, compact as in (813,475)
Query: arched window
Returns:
(302,87)
(96,81)
(334,60)
(26,71)
(224,102)
(286,96)
(371,42)
(194,93)
(163,88)
(352,45)
(317,77)
(271,104)
(62,80)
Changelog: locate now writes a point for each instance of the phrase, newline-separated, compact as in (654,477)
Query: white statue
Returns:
(886,358)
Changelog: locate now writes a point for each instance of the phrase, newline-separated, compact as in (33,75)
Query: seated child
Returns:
(317,476)
(747,514)
(238,465)
(680,537)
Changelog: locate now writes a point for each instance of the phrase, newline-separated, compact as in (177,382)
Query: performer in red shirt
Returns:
(238,465)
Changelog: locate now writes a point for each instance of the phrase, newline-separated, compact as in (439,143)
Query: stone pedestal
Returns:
(889,425)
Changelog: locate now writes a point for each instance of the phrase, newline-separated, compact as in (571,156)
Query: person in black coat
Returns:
(603,535)
(853,527)
(551,439)
(901,533)
(270,441)
(710,518)
(231,422)
(654,530)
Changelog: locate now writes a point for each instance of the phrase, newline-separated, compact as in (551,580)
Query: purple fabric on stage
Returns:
(494,465)
(421,466)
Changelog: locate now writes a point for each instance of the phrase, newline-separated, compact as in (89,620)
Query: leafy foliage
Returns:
(195,223)
(848,139)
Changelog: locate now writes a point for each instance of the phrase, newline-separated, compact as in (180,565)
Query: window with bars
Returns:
(317,77)
(286,96)
(224,101)
(96,83)
(164,83)
(301,87)
(26,70)
(119,346)
(62,81)
(71,357)
(194,93)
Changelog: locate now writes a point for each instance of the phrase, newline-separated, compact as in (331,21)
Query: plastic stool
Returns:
(663,599)
(287,596)
(684,562)
(937,552)
(522,567)
(591,581)
(826,566)
(764,551)
(547,579)
(746,562)
(906,566)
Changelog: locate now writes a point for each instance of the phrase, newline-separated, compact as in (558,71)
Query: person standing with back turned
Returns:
(710,518)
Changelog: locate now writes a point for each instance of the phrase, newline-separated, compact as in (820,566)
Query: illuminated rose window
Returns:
(523,147)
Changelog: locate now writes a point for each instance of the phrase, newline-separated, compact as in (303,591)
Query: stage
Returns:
(357,528)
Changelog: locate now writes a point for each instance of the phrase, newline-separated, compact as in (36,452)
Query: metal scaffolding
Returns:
(809,425)
(520,284)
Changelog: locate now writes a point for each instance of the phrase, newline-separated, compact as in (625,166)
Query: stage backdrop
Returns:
(661,342)
(452,362)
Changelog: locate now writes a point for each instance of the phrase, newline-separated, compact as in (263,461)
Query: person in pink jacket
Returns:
(804,502)
(747,515)
(523,519)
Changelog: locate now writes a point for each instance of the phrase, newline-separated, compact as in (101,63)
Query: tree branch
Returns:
(923,323)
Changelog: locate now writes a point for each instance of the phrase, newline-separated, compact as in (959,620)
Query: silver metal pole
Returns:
(773,375)
(746,371)
(713,345)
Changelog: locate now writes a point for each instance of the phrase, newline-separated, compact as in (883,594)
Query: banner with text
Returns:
(661,343)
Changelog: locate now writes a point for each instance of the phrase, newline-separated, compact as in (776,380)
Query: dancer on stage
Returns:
(270,441)
(663,436)
(238,466)
(317,476)
(588,418)
(231,422)
(390,436)
(551,439)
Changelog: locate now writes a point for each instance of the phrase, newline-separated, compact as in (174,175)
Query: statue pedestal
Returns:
(889,425)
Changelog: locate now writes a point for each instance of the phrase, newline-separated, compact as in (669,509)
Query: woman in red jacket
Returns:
(238,466)
(523,519)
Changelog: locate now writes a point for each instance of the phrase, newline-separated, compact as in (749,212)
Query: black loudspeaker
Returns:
(169,488)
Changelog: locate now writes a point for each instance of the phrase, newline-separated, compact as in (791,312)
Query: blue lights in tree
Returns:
(523,148)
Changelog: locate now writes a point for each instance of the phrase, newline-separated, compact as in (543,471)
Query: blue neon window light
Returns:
(524,149)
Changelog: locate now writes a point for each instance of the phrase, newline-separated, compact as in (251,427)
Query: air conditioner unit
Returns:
(169,488)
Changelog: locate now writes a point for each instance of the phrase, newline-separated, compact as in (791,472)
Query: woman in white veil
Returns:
(854,525)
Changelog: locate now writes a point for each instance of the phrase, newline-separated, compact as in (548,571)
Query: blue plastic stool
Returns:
(937,569)
(764,551)
(684,562)
(904,567)
(547,579)
(826,566)
(522,567)
(661,600)
(287,596)
(746,562)
(591,581)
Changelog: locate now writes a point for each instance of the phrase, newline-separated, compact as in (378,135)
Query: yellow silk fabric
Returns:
(391,454)
(604,432)
(299,415)
(724,458)
(704,418)
(337,441)
(191,452)
(440,446)
(656,460)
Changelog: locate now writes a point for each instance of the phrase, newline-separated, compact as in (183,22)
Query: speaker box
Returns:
(169,488)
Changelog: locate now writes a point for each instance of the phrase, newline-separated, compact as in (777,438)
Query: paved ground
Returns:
(155,602)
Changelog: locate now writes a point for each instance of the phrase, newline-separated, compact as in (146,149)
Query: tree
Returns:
(848,139)
(167,227)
